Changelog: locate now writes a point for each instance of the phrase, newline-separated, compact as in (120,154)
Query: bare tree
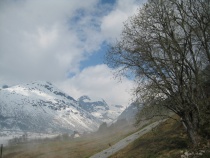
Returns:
(166,45)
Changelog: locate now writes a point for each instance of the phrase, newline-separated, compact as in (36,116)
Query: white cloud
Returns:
(36,39)
(47,40)
(47,37)
(98,82)
(112,24)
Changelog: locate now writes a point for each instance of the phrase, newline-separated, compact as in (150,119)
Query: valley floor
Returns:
(167,140)
(66,147)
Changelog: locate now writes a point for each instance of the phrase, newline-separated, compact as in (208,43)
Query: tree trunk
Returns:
(191,122)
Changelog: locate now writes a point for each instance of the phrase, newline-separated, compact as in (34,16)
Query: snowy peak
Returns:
(100,109)
(40,89)
(41,107)
(84,98)
(91,105)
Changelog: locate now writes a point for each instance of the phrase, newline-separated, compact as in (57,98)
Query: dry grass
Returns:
(166,141)
(69,148)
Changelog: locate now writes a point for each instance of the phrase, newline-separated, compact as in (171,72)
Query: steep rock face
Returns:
(41,107)
(129,113)
(100,109)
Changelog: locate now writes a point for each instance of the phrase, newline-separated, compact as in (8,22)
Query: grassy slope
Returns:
(166,141)
(68,148)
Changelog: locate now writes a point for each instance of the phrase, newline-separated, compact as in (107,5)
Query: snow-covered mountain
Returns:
(100,109)
(41,107)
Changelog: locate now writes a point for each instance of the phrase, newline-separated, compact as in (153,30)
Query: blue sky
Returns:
(96,58)
(64,42)
(108,1)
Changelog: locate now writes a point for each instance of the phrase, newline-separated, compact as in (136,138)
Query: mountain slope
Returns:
(41,107)
(129,113)
(100,109)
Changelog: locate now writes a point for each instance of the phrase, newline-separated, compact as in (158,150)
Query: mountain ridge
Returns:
(100,109)
(41,107)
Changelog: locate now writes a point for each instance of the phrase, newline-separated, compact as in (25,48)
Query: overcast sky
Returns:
(64,41)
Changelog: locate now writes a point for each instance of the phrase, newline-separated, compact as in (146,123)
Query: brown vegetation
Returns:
(82,147)
(169,140)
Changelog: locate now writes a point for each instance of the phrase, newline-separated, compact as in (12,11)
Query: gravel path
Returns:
(124,142)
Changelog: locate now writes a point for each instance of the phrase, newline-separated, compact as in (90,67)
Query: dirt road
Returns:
(124,142)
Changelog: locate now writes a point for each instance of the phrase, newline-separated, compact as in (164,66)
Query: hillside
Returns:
(168,140)
(64,146)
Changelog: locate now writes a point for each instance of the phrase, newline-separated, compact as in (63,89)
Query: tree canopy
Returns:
(166,46)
